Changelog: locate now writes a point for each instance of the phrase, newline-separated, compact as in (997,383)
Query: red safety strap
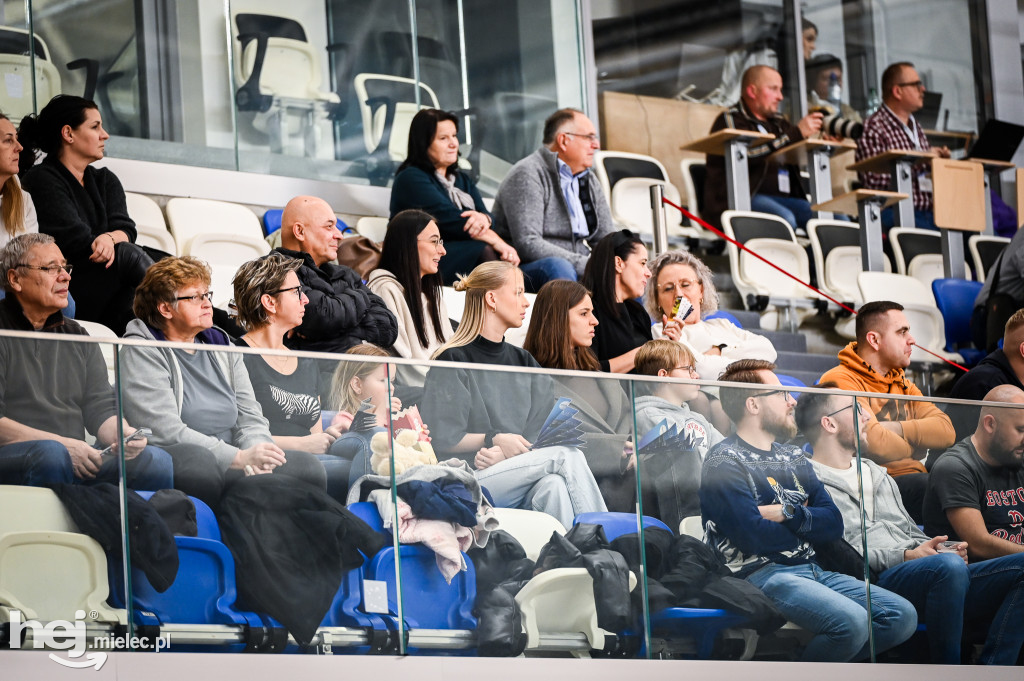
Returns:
(725,236)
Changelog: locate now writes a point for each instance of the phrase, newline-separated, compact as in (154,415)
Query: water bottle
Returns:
(835,90)
(873,102)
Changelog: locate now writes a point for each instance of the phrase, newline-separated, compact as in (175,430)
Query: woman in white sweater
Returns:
(714,344)
(17,212)
(408,281)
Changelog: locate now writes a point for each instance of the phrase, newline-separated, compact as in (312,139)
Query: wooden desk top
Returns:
(992,165)
(849,203)
(715,142)
(882,163)
(798,153)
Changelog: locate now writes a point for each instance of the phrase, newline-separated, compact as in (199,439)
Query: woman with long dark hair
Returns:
(560,336)
(617,275)
(429,179)
(83,208)
(408,281)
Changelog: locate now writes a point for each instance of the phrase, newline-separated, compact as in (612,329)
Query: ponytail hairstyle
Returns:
(343,397)
(488,276)
(400,255)
(43,132)
(600,275)
(12,208)
(548,338)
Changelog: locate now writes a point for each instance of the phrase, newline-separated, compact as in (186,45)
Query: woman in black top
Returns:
(617,275)
(271,302)
(489,418)
(83,208)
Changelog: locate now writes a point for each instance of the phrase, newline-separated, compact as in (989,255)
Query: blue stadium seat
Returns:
(203,593)
(701,624)
(791,382)
(272,221)
(955,300)
(617,524)
(722,314)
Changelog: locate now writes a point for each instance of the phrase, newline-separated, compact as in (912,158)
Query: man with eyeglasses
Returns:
(893,126)
(931,572)
(550,207)
(900,432)
(342,312)
(52,392)
(764,509)
(774,188)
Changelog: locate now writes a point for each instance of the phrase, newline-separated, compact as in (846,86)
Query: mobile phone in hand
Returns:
(137,435)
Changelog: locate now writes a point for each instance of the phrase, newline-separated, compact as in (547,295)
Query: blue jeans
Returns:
(540,272)
(833,607)
(923,219)
(947,593)
(553,480)
(47,462)
(356,448)
(793,210)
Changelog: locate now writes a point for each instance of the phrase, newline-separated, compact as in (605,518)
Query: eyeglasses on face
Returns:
(49,269)
(436,243)
(688,368)
(840,409)
(914,83)
(787,393)
(299,290)
(197,298)
(592,137)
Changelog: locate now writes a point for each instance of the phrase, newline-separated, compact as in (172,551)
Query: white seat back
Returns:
(373,228)
(97,330)
(532,529)
(693,526)
(225,253)
(48,571)
(374,116)
(928,267)
(149,223)
(188,218)
(631,205)
(974,244)
(768,280)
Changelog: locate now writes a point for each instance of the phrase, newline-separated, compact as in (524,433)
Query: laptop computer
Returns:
(998,141)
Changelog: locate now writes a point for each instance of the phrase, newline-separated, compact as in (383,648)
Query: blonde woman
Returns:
(489,418)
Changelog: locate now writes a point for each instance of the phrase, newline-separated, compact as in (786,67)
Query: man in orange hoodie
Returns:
(900,432)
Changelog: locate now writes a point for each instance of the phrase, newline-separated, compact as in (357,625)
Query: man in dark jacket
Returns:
(1003,366)
(342,312)
(774,188)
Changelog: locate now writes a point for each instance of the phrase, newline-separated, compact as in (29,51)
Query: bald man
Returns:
(976,488)
(341,311)
(1003,366)
(774,188)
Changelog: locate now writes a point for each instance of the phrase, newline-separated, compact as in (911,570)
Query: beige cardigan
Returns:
(385,285)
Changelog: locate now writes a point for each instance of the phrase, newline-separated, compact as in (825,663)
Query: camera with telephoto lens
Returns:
(837,126)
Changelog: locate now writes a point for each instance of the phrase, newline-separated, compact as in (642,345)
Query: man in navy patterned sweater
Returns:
(764,509)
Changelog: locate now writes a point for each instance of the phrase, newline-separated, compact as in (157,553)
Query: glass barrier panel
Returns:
(270,559)
(61,521)
(553,541)
(157,71)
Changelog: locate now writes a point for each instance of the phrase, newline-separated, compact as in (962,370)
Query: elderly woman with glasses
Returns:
(199,404)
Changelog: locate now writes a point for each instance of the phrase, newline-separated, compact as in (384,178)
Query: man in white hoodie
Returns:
(930,572)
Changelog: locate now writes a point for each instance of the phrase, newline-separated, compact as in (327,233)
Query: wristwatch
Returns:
(788,510)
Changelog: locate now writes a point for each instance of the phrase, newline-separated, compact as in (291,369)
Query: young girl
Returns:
(489,418)
(353,383)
